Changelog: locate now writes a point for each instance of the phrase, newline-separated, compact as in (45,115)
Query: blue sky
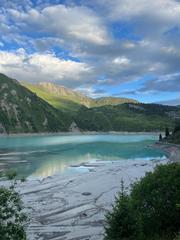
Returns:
(126,48)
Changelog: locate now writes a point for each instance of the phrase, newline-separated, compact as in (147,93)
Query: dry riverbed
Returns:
(73,208)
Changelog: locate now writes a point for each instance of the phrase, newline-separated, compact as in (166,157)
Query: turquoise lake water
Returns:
(44,156)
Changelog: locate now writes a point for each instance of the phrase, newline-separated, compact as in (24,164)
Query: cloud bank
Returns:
(98,45)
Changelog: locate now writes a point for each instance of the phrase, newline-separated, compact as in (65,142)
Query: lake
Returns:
(45,155)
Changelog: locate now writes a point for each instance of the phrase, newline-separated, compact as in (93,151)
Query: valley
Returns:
(28,108)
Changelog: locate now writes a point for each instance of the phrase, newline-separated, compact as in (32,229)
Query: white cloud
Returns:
(42,67)
(149,18)
(90,92)
(168,77)
(81,33)
(121,61)
(165,9)
(79,23)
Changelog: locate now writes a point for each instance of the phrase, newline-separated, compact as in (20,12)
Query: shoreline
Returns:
(74,207)
(172,150)
(78,133)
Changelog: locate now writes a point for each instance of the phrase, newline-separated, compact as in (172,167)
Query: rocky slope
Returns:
(65,98)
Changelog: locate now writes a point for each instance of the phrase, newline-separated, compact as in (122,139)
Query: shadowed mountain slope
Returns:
(23,111)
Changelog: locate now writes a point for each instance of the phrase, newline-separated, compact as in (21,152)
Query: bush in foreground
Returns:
(11,216)
(152,209)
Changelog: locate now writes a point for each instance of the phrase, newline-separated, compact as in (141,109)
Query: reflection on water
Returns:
(57,165)
(46,155)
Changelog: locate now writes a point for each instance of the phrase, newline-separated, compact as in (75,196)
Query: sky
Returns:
(119,48)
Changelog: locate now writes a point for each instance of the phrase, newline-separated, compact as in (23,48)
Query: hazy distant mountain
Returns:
(173,102)
(67,99)
(23,111)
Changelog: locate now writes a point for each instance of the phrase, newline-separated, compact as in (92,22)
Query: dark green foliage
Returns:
(11,174)
(167,132)
(160,137)
(22,111)
(177,127)
(153,204)
(177,237)
(121,222)
(11,216)
(23,179)
(175,136)
(156,197)
(127,117)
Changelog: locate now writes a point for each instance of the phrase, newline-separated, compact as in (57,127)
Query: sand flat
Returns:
(73,207)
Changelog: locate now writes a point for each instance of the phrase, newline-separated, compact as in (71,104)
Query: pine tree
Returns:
(160,137)
(167,132)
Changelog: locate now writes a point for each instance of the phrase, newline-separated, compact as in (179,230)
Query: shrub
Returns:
(23,179)
(177,237)
(11,216)
(121,222)
(11,174)
(153,204)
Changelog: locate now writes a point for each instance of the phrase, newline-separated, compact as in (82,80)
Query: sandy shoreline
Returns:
(172,150)
(73,207)
(78,133)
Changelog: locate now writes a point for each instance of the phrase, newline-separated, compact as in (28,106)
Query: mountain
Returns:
(60,97)
(67,99)
(48,108)
(127,117)
(23,111)
(103,101)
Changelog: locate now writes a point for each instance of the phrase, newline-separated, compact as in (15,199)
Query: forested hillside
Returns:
(127,117)
(23,111)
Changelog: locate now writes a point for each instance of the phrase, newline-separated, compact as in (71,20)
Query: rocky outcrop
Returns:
(74,128)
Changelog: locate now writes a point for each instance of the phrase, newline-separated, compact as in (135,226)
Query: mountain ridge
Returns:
(77,97)
(23,111)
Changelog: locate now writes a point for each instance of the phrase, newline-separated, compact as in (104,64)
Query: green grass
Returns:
(61,103)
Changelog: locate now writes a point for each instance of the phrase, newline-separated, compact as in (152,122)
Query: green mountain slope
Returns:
(23,111)
(99,102)
(67,99)
(127,117)
(59,97)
